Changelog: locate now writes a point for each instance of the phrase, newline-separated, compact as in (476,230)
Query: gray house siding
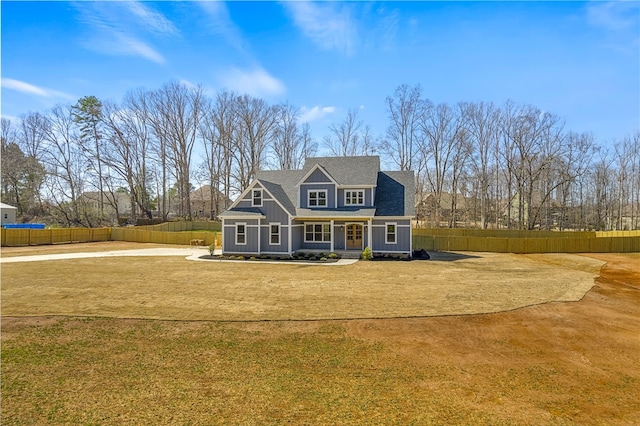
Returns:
(331,194)
(229,236)
(368,199)
(317,176)
(403,236)
(265,239)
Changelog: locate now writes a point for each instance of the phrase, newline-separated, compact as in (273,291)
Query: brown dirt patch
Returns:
(557,360)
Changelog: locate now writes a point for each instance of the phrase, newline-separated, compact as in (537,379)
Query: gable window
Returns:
(274,234)
(354,198)
(317,232)
(241,233)
(317,198)
(391,233)
(256,199)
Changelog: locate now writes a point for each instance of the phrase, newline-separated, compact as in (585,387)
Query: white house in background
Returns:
(8,213)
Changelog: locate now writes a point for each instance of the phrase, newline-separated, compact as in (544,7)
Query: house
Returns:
(114,204)
(334,204)
(8,213)
(202,204)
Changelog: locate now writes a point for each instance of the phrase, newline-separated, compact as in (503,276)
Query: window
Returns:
(274,234)
(391,233)
(241,233)
(317,232)
(354,198)
(317,198)
(256,200)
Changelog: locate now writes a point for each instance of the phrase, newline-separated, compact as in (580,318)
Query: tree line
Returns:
(476,163)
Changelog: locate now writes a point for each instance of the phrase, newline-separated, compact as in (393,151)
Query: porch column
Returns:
(259,232)
(332,235)
(369,235)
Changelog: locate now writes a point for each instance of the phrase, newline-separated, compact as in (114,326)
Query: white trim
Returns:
(364,197)
(313,169)
(332,225)
(314,232)
(253,197)
(245,233)
(271,243)
(395,233)
(318,192)
(356,186)
(246,217)
(385,224)
(244,194)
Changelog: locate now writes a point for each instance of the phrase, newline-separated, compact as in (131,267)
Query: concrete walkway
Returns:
(191,253)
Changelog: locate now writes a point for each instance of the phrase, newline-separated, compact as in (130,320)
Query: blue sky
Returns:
(580,60)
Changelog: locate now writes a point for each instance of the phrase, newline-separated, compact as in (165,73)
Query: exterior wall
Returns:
(331,194)
(403,236)
(229,236)
(265,239)
(317,176)
(8,215)
(338,236)
(368,196)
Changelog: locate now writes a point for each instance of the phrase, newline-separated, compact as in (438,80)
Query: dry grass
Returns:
(174,288)
(550,364)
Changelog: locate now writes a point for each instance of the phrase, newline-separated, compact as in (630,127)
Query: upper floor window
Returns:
(256,199)
(317,198)
(354,198)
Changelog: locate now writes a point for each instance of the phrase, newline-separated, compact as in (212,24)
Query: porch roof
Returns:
(342,213)
(252,213)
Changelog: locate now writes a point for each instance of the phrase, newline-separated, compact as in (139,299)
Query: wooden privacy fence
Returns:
(505,241)
(165,237)
(502,241)
(34,237)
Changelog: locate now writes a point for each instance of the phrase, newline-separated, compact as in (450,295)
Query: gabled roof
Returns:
(347,171)
(394,192)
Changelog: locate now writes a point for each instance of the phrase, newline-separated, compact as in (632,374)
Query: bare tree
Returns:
(348,138)
(291,144)
(176,111)
(406,109)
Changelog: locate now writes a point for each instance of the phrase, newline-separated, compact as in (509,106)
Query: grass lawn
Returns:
(174,288)
(552,364)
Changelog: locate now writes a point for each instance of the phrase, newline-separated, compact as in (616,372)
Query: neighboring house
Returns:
(203,206)
(428,205)
(8,213)
(332,204)
(115,204)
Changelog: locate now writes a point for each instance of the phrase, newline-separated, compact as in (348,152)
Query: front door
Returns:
(354,237)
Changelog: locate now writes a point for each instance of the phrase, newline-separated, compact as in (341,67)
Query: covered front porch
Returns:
(347,237)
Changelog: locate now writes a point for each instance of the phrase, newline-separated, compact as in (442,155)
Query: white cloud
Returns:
(220,22)
(613,15)
(256,82)
(329,25)
(128,45)
(151,19)
(119,28)
(316,113)
(28,88)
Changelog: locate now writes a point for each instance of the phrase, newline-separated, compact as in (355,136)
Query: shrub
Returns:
(212,249)
(252,258)
(324,259)
(367,254)
(333,256)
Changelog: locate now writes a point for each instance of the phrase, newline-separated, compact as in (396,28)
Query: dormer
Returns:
(317,189)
